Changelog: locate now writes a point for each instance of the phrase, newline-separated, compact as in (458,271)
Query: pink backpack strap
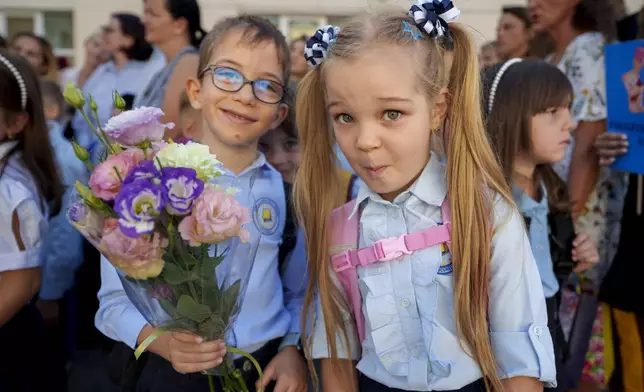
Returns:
(447,221)
(346,257)
(345,231)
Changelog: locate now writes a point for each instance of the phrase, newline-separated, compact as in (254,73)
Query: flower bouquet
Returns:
(155,210)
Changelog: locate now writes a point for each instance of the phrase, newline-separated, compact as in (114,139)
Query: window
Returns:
(298,27)
(338,20)
(59,29)
(19,24)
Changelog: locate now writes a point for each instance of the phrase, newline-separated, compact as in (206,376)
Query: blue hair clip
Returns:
(408,28)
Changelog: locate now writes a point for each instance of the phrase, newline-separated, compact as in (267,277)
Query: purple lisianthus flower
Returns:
(138,206)
(145,170)
(133,127)
(182,187)
(184,140)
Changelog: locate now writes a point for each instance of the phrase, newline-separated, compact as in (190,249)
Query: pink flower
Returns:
(104,181)
(139,258)
(216,217)
(136,126)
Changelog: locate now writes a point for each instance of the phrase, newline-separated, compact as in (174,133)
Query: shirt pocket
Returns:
(424,265)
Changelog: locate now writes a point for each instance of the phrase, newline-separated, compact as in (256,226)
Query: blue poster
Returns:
(624,96)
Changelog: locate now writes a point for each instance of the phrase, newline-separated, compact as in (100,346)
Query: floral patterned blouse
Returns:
(583,64)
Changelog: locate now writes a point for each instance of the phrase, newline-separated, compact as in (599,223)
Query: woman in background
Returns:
(174,26)
(38,51)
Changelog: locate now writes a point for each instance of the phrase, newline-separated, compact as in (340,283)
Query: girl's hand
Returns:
(190,354)
(584,253)
(610,145)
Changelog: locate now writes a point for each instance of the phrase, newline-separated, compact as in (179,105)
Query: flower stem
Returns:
(211,383)
(235,350)
(100,128)
(91,126)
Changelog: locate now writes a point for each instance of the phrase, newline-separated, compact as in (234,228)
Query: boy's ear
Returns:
(193,90)
(280,115)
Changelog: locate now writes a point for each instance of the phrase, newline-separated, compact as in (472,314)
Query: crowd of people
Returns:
(515,267)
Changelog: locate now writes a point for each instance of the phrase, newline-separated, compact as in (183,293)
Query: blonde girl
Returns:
(462,314)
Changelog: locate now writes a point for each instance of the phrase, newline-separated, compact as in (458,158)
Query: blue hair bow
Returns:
(434,16)
(317,47)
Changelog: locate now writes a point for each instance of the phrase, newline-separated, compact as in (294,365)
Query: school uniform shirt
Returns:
(538,233)
(411,341)
(19,194)
(272,305)
(130,79)
(63,245)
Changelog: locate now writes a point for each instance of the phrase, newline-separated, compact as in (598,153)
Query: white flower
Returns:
(192,155)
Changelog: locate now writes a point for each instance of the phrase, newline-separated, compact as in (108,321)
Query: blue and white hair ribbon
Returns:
(433,16)
(317,47)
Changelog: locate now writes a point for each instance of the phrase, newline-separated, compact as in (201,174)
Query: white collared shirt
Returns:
(19,194)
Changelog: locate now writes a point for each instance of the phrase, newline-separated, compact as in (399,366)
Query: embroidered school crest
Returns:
(266,216)
(446,267)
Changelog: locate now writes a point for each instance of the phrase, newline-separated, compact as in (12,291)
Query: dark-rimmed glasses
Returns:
(231,80)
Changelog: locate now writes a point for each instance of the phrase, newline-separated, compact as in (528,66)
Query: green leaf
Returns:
(188,307)
(173,274)
(168,307)
(229,299)
(208,266)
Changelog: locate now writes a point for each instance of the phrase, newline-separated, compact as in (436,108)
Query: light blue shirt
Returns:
(130,79)
(342,160)
(411,341)
(63,245)
(273,303)
(538,233)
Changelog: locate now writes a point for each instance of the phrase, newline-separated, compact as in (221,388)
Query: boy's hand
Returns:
(288,370)
(584,252)
(188,353)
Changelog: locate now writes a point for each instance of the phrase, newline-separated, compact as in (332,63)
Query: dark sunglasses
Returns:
(231,80)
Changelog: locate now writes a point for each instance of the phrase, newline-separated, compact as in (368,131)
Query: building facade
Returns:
(66,23)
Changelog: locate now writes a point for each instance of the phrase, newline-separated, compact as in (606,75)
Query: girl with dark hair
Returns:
(174,26)
(130,69)
(579,29)
(30,191)
(529,129)
(38,51)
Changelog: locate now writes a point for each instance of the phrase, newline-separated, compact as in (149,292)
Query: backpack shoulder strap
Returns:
(447,220)
(344,228)
(289,236)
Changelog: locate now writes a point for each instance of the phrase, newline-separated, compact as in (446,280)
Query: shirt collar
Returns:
(259,163)
(526,204)
(6,147)
(430,187)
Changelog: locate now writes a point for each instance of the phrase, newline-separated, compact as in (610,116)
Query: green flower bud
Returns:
(90,199)
(80,152)
(74,96)
(93,106)
(117,101)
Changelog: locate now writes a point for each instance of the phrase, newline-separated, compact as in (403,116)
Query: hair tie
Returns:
(434,16)
(317,47)
(19,79)
(497,80)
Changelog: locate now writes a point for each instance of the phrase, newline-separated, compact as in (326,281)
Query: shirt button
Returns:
(538,330)
(405,303)
(539,227)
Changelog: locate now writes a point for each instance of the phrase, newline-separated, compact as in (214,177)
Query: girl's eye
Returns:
(290,145)
(343,118)
(392,115)
(551,110)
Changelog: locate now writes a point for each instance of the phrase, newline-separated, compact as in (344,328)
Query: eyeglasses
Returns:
(231,80)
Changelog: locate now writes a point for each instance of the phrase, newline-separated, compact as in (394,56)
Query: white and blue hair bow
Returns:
(433,16)
(317,47)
